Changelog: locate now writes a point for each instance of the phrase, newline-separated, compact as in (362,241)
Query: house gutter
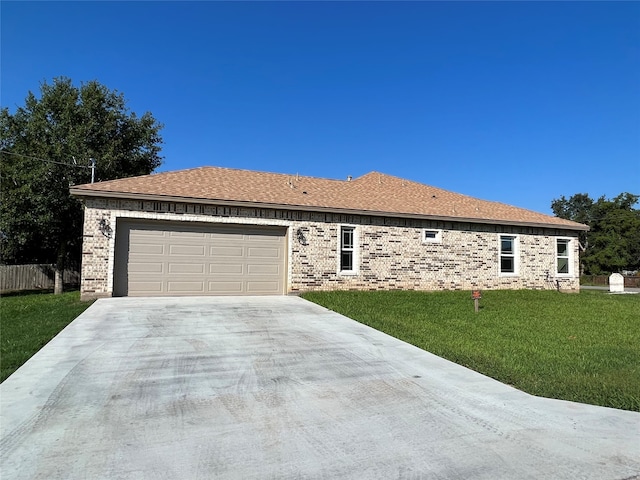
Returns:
(80,192)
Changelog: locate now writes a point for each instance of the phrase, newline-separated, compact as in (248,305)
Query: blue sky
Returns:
(517,102)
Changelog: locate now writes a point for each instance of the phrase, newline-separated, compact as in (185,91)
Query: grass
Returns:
(580,347)
(28,321)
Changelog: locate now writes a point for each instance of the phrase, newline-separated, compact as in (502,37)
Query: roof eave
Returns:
(81,192)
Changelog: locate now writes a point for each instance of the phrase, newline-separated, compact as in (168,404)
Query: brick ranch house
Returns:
(208,231)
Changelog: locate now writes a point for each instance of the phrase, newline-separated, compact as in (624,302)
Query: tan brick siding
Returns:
(394,257)
(390,251)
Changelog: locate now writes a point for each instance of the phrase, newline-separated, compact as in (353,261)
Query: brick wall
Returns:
(391,253)
(97,253)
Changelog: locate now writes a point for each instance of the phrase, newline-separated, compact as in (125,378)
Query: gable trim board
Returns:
(390,250)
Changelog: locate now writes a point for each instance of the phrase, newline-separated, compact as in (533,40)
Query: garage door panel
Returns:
(171,258)
(222,237)
(225,252)
(198,236)
(146,267)
(187,250)
(146,249)
(145,233)
(225,288)
(229,269)
(266,269)
(262,242)
(256,252)
(186,268)
(145,287)
(260,288)
(185,287)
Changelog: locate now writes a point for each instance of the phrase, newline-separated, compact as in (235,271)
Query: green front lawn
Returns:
(581,347)
(29,321)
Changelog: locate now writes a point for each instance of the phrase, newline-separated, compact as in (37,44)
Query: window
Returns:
(563,257)
(431,236)
(347,250)
(508,255)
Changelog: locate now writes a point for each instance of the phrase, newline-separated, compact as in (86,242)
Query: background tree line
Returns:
(613,242)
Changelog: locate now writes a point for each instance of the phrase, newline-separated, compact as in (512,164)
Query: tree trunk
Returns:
(59,281)
(59,273)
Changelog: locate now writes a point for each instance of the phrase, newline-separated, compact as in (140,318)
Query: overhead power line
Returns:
(45,160)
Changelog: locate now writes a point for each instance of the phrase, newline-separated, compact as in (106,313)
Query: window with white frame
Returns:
(347,249)
(431,236)
(563,256)
(508,255)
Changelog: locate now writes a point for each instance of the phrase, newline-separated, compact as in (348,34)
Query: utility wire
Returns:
(45,160)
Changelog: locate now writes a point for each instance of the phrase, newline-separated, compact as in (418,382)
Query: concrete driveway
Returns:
(276,387)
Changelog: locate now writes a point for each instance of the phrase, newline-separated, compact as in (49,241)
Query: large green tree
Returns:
(48,145)
(612,243)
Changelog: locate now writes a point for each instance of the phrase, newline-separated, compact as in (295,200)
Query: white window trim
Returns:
(437,239)
(356,251)
(516,255)
(569,258)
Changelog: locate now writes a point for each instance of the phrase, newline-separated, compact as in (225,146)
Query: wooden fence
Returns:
(630,282)
(33,277)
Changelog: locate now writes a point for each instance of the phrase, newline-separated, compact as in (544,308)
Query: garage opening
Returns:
(179,259)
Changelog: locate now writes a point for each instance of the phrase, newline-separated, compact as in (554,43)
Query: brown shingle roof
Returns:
(373,193)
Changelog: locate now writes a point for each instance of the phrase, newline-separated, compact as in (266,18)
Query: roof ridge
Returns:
(253,172)
(421,184)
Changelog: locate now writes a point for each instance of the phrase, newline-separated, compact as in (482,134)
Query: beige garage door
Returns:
(158,258)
